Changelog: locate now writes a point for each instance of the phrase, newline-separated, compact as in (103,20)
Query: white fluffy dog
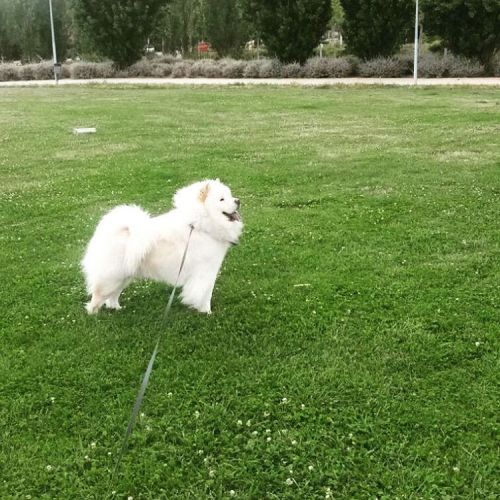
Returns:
(129,244)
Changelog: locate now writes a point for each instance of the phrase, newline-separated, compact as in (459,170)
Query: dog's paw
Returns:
(91,309)
(113,304)
(204,309)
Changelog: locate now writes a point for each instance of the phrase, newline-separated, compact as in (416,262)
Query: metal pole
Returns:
(53,39)
(415,50)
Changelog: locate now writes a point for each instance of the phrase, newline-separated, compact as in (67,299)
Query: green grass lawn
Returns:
(378,376)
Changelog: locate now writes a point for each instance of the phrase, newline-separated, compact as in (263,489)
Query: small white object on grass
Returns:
(84,130)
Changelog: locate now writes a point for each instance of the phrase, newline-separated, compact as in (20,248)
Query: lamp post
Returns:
(415,49)
(57,67)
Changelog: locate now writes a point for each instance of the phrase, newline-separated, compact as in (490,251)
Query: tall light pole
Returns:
(415,50)
(56,68)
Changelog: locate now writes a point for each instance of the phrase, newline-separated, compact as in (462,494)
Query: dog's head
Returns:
(212,200)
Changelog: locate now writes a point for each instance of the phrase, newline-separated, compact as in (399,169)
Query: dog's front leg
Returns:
(197,292)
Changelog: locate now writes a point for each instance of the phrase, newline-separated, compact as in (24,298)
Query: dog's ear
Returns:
(202,196)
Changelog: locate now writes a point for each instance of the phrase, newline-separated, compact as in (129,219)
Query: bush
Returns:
(161,70)
(146,67)
(496,65)
(141,68)
(83,70)
(65,71)
(406,61)
(466,68)
(231,68)
(327,67)
(384,67)
(121,73)
(293,70)
(252,69)
(430,66)
(196,69)
(181,69)
(212,69)
(205,68)
(9,72)
(354,62)
(441,66)
(44,70)
(270,68)
(38,71)
(433,66)
(27,72)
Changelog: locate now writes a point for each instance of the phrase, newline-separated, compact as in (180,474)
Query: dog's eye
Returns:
(222,199)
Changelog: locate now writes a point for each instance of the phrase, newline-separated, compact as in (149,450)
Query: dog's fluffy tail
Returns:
(135,224)
(124,234)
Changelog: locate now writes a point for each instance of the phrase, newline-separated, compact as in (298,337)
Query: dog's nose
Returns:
(237,201)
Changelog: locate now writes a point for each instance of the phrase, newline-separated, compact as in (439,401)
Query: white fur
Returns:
(128,243)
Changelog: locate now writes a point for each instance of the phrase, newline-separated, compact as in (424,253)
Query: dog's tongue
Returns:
(235,216)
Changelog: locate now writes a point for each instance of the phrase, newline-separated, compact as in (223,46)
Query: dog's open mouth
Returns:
(232,217)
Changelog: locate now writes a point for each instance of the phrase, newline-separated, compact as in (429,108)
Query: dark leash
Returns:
(144,384)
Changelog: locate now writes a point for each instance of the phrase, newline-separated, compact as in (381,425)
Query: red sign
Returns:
(203,46)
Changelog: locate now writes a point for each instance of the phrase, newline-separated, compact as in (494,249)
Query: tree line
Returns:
(289,29)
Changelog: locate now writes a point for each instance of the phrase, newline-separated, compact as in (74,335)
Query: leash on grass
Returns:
(149,369)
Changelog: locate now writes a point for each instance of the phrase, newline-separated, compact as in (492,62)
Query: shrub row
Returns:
(430,66)
(39,71)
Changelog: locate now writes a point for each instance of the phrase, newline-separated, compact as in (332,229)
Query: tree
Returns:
(468,27)
(9,34)
(337,18)
(375,28)
(179,26)
(43,33)
(225,27)
(290,29)
(119,28)
(25,29)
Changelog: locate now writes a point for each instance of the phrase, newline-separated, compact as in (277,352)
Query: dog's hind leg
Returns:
(95,303)
(106,292)
(112,300)
(113,303)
